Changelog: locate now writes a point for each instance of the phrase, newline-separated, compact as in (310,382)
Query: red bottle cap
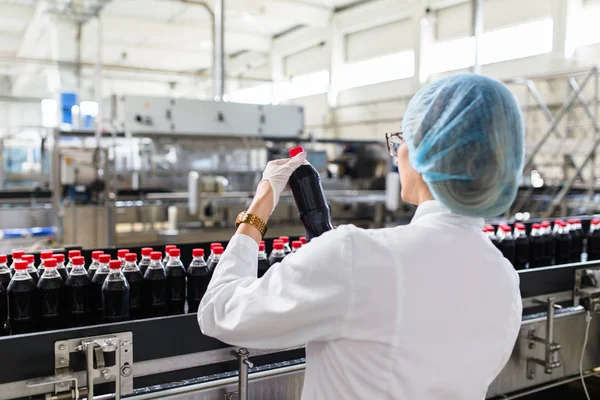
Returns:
(577,221)
(594,221)
(156,255)
(284,239)
(3,258)
(78,260)
(572,221)
(50,263)
(21,265)
(18,253)
(213,245)
(198,253)
(169,247)
(114,264)
(536,226)
(104,258)
(303,239)
(96,254)
(122,253)
(488,228)
(218,250)
(295,151)
(29,258)
(146,251)
(278,246)
(74,253)
(277,241)
(45,254)
(546,224)
(262,242)
(296,244)
(131,257)
(505,228)
(60,258)
(561,223)
(174,252)
(519,225)
(261,247)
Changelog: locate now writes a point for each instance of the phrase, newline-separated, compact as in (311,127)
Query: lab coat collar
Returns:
(435,207)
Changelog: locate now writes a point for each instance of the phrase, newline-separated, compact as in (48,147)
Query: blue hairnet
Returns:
(465,136)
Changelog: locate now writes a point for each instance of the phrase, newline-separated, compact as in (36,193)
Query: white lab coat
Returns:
(429,310)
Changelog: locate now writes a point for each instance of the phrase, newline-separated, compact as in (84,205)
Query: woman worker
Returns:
(428,310)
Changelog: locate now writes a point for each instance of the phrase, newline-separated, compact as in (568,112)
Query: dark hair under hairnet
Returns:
(465,136)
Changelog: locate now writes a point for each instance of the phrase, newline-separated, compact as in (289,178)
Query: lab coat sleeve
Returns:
(304,298)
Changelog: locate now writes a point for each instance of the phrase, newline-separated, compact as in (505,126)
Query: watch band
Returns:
(245,218)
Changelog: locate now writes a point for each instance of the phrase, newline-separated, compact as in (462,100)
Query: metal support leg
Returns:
(550,360)
(242,356)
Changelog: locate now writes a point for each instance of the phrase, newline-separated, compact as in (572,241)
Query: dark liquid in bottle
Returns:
(92,270)
(63,273)
(562,243)
(521,252)
(154,293)
(549,252)
(305,183)
(3,309)
(53,302)
(96,306)
(198,277)
(135,278)
(78,299)
(507,247)
(263,266)
(176,288)
(576,245)
(115,300)
(275,259)
(23,303)
(5,279)
(537,251)
(593,245)
(34,275)
(143,266)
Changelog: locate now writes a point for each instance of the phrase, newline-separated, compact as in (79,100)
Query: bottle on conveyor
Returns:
(286,244)
(31,267)
(198,276)
(23,301)
(489,231)
(306,187)
(96,311)
(296,245)
(278,254)
(60,266)
(154,288)
(537,247)
(43,256)
(71,254)
(115,294)
(167,248)
(175,283)
(303,240)
(134,279)
(577,236)
(562,243)
(549,243)
(521,246)
(16,256)
(78,293)
(506,242)
(212,251)
(145,261)
(121,253)
(593,241)
(217,253)
(53,298)
(93,267)
(4,273)
(263,260)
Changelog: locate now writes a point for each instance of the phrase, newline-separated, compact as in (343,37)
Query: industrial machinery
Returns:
(168,357)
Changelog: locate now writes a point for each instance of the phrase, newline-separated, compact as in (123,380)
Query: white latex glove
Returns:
(278,172)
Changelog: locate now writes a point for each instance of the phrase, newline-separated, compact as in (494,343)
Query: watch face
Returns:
(240,216)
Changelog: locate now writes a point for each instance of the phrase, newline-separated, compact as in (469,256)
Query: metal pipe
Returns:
(219,50)
(544,387)
(98,81)
(477,25)
(78,70)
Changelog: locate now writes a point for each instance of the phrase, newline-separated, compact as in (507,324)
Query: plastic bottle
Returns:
(175,283)
(212,251)
(562,243)
(145,261)
(489,231)
(154,288)
(593,242)
(72,253)
(95,263)
(577,235)
(4,300)
(115,294)
(53,299)
(96,304)
(4,274)
(521,246)
(549,242)
(218,252)
(305,183)
(198,277)
(167,248)
(23,300)
(277,255)
(16,256)
(296,245)
(60,266)
(506,243)
(537,247)
(263,260)
(121,253)
(43,255)
(78,293)
(31,267)
(134,278)
(286,244)
(303,240)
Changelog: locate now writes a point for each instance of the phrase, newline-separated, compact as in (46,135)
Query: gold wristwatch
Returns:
(245,218)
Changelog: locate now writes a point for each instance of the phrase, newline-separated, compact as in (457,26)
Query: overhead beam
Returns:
(299,40)
(372,14)
(295,11)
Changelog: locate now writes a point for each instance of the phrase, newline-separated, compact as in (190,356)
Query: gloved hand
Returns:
(278,172)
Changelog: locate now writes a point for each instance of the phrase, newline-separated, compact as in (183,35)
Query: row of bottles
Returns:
(547,244)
